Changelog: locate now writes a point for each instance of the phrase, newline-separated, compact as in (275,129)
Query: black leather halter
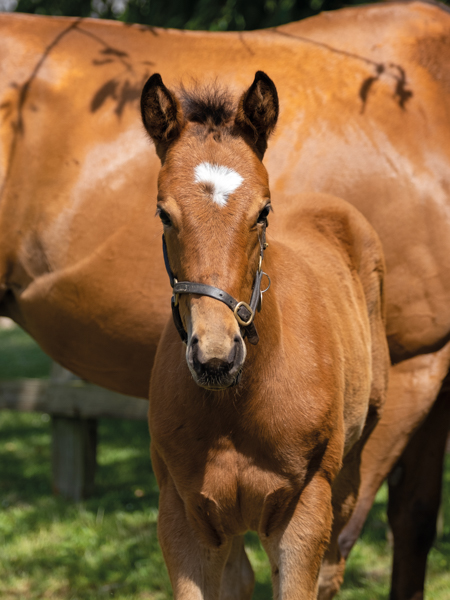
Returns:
(244,313)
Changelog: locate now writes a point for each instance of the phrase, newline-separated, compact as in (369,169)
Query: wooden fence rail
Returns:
(74,407)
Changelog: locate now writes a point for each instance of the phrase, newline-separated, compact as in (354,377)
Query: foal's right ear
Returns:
(161,114)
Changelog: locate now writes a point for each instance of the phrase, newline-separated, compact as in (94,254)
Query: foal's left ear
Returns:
(161,114)
(257,112)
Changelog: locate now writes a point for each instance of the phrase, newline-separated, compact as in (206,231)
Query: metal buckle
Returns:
(238,318)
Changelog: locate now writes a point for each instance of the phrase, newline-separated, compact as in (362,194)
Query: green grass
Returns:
(20,356)
(107,547)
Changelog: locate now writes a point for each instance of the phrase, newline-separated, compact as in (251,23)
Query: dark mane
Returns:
(208,105)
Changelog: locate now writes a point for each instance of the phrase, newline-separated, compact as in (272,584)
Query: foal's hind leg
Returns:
(414,498)
(238,579)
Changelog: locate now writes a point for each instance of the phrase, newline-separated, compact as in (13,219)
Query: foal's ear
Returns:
(257,112)
(161,114)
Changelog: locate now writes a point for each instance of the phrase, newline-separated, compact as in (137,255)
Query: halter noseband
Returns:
(243,312)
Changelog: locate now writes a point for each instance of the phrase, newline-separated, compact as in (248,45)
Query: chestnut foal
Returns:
(264,437)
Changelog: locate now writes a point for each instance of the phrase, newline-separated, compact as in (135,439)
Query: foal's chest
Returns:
(228,489)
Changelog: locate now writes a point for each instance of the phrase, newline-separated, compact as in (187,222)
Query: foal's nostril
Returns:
(193,351)
(234,352)
(237,354)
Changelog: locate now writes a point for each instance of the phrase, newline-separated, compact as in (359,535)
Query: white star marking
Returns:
(224,180)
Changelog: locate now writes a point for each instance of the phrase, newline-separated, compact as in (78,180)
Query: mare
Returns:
(365,117)
(264,437)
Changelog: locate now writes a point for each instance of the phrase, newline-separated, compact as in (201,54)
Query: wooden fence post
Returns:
(75,407)
(74,448)
(74,451)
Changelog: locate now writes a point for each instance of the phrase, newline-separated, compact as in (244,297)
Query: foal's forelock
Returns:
(208,105)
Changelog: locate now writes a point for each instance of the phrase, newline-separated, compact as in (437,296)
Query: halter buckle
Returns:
(238,318)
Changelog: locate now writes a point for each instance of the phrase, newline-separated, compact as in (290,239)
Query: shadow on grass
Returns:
(105,547)
(357,575)
(20,356)
(24,457)
(99,559)
(124,478)
(262,591)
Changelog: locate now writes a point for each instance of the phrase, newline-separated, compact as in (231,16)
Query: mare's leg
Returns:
(413,387)
(238,579)
(414,498)
(295,549)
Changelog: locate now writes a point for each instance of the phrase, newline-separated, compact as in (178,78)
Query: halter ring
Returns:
(175,296)
(270,283)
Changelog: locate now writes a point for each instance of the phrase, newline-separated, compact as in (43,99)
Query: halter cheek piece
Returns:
(243,312)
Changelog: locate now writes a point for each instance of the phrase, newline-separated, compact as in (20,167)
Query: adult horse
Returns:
(364,116)
(276,448)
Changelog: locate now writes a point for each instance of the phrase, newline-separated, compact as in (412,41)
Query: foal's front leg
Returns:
(195,569)
(295,549)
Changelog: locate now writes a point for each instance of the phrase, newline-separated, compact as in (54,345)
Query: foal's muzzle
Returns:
(216,373)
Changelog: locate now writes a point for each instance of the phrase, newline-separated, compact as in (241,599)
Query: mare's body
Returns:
(365,116)
(77,174)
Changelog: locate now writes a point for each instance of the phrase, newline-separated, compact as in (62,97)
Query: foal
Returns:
(249,435)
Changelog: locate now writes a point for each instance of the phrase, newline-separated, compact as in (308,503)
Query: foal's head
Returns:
(213,201)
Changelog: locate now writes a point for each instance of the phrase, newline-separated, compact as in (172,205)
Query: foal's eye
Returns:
(262,217)
(164,216)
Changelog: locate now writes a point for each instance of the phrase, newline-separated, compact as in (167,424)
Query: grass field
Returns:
(107,546)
